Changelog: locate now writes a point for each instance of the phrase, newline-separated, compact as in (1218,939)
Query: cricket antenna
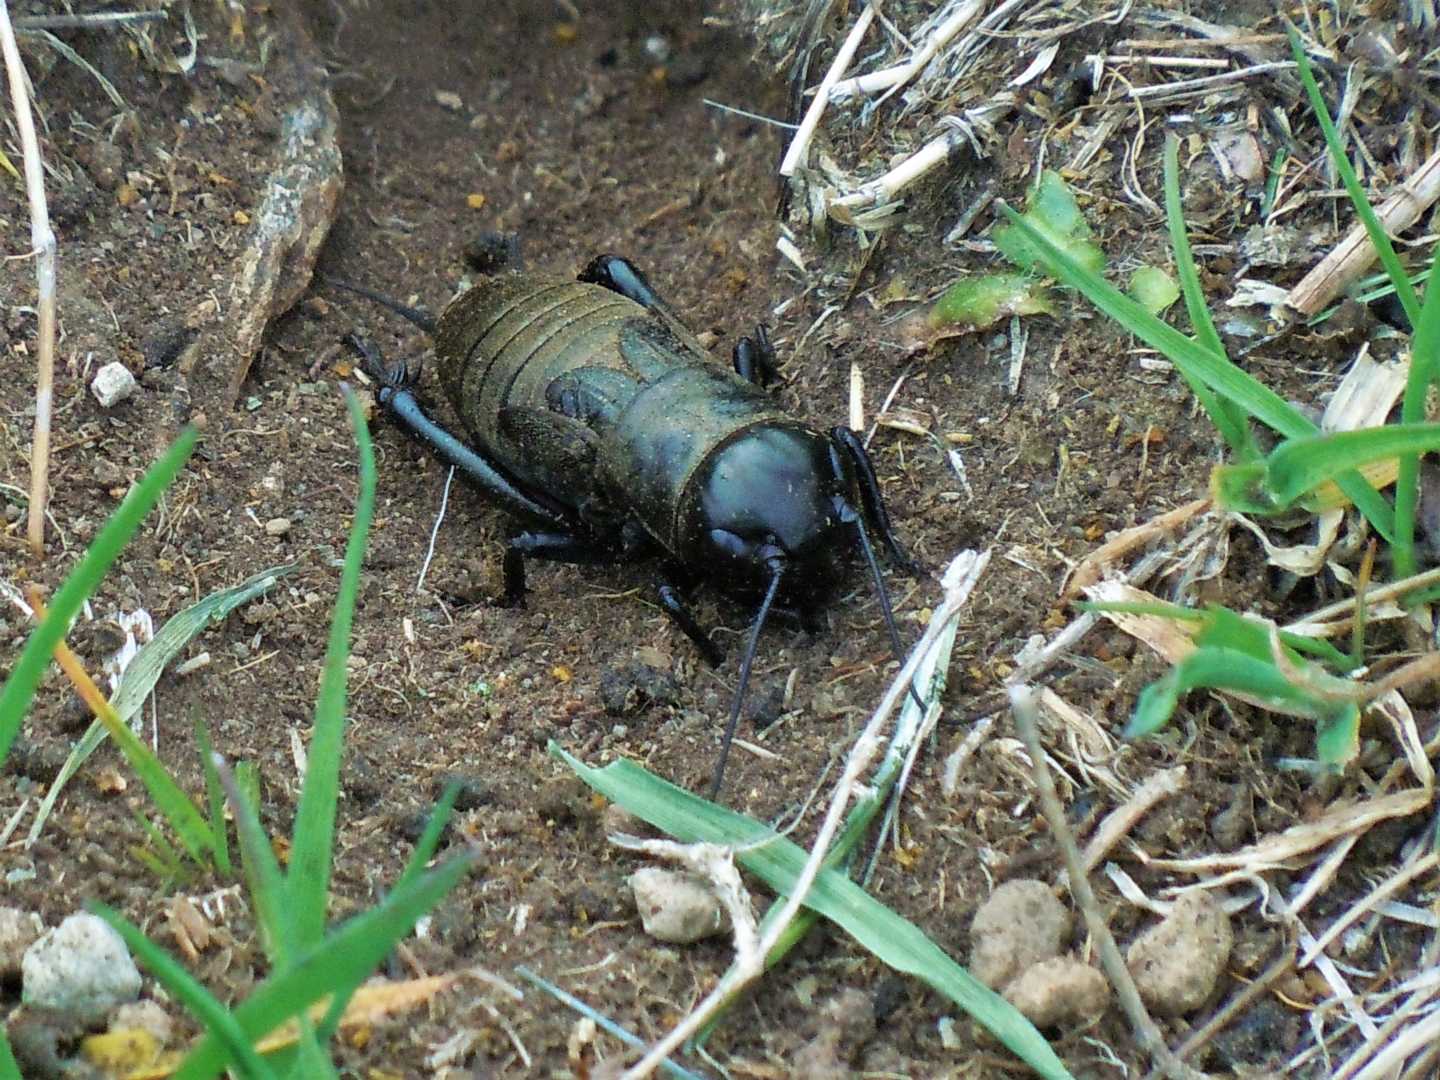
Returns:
(775,560)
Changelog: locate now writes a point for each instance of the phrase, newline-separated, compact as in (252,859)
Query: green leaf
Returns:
(1153,289)
(977,302)
(1051,210)
(34,659)
(1337,737)
(9,1070)
(778,862)
(1298,466)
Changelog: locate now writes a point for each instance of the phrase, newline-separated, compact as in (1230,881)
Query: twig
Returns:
(1373,596)
(1418,1036)
(1026,709)
(42,240)
(958,131)
(798,145)
(1382,892)
(958,583)
(1122,819)
(1353,254)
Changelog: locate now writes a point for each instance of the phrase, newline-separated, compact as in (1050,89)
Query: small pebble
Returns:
(1060,992)
(1020,925)
(81,967)
(144,1016)
(277,526)
(674,907)
(1177,963)
(112,384)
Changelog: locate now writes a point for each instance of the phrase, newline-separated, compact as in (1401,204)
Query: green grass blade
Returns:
(1298,466)
(308,882)
(177,808)
(1216,667)
(1230,420)
(429,841)
(214,796)
(1424,360)
(34,659)
(220,1023)
(268,892)
(9,1070)
(424,851)
(145,669)
(166,855)
(778,862)
(347,956)
(1386,250)
(1216,371)
(311,1061)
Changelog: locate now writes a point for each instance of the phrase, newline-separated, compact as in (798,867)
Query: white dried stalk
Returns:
(893,78)
(1381,892)
(1122,819)
(1206,83)
(42,241)
(1343,818)
(798,145)
(959,132)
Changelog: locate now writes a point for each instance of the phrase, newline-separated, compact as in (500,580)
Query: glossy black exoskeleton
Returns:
(595,416)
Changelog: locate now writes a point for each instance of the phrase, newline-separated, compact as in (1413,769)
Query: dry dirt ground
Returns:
(583,136)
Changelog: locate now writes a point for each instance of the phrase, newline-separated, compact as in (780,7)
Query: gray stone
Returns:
(81,967)
(674,907)
(112,384)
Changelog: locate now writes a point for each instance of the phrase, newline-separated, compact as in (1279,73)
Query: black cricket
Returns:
(595,416)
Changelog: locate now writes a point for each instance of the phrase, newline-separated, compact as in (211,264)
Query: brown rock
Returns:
(1021,924)
(1059,992)
(1177,963)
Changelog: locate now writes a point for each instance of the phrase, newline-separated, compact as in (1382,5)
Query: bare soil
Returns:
(583,137)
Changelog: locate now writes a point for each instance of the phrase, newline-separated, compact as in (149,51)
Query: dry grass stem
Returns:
(1236,1005)
(1382,892)
(892,78)
(959,582)
(1350,258)
(1024,705)
(1122,819)
(1206,83)
(42,241)
(1342,818)
(1093,568)
(97,20)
